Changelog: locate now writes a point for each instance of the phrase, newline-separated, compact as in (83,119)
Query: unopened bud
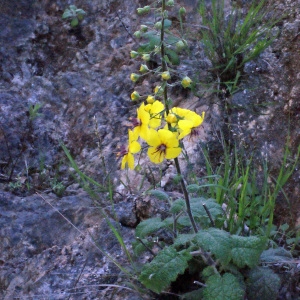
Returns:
(144,69)
(165,75)
(133,54)
(143,10)
(170,3)
(135,96)
(158,25)
(150,99)
(146,57)
(137,34)
(171,118)
(134,77)
(186,82)
(182,11)
(144,28)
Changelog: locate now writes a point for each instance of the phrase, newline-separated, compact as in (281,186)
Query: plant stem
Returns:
(165,96)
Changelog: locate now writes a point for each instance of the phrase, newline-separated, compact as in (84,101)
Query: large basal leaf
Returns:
(149,226)
(164,269)
(216,241)
(226,287)
(262,284)
(276,255)
(246,251)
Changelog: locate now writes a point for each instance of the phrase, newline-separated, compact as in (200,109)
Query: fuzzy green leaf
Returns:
(216,241)
(263,284)
(246,251)
(173,56)
(164,268)
(160,195)
(193,188)
(199,212)
(223,287)
(177,206)
(148,227)
(194,295)
(67,14)
(276,255)
(184,240)
(74,22)
(139,248)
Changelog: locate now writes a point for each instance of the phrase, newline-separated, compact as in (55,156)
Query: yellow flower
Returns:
(141,122)
(165,75)
(134,77)
(135,96)
(127,152)
(186,82)
(163,145)
(150,99)
(155,110)
(189,124)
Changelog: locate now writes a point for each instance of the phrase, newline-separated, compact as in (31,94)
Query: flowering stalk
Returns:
(165,99)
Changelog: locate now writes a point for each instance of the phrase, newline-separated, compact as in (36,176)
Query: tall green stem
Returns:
(165,96)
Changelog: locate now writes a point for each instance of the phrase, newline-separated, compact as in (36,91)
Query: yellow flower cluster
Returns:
(162,132)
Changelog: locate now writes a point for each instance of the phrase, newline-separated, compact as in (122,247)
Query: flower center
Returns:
(161,148)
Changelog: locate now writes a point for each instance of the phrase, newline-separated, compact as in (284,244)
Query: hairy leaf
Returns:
(216,241)
(263,284)
(139,248)
(194,295)
(160,195)
(177,206)
(276,255)
(184,240)
(164,269)
(173,56)
(246,250)
(223,287)
(149,226)
(199,212)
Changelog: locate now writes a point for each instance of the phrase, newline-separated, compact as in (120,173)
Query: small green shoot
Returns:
(74,14)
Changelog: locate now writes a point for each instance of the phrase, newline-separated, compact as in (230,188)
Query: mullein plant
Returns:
(158,125)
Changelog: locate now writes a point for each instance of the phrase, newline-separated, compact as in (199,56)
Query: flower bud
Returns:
(186,82)
(144,28)
(146,57)
(137,34)
(143,10)
(158,25)
(158,90)
(171,118)
(134,77)
(135,96)
(144,69)
(133,54)
(150,99)
(170,3)
(180,45)
(165,75)
(182,11)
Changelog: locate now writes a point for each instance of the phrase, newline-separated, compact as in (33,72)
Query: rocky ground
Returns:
(53,235)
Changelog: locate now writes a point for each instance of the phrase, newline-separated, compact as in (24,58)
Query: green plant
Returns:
(58,187)
(233,40)
(33,111)
(198,237)
(74,14)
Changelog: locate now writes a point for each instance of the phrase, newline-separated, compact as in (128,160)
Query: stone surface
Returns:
(79,76)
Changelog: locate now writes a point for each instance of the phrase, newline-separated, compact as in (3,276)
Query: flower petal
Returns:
(172,152)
